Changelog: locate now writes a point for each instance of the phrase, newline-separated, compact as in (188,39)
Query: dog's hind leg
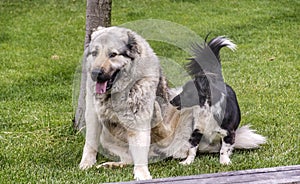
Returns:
(111,165)
(227,148)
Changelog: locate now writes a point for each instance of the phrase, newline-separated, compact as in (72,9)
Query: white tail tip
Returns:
(246,138)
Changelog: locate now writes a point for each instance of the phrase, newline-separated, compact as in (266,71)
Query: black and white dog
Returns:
(216,112)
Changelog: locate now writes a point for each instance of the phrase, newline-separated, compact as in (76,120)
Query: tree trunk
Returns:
(98,13)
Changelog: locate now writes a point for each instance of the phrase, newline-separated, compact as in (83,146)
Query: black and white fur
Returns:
(216,113)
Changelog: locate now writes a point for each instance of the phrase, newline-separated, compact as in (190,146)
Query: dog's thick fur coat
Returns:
(118,117)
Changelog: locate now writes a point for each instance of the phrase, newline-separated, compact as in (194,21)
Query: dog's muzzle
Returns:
(98,75)
(103,80)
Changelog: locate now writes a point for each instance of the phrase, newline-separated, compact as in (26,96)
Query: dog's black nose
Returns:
(176,101)
(97,74)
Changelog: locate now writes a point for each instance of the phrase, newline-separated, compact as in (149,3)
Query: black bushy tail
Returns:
(217,43)
(206,53)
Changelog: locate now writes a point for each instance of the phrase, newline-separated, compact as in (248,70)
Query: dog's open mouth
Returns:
(104,86)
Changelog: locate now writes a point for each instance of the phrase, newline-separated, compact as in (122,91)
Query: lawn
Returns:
(41,45)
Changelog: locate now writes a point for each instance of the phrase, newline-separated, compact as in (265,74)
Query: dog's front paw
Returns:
(141,173)
(87,161)
(224,160)
(187,161)
(88,157)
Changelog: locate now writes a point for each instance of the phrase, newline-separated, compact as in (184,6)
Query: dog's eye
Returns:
(113,54)
(94,53)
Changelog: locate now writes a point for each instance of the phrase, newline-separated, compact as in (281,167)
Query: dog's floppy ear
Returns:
(132,44)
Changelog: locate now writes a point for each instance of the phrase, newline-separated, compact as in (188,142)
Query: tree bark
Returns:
(98,13)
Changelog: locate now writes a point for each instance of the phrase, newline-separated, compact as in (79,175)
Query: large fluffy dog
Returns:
(123,75)
(128,113)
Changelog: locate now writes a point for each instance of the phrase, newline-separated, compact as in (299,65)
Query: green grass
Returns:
(41,44)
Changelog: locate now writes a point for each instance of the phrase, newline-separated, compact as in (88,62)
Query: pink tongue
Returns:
(101,87)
